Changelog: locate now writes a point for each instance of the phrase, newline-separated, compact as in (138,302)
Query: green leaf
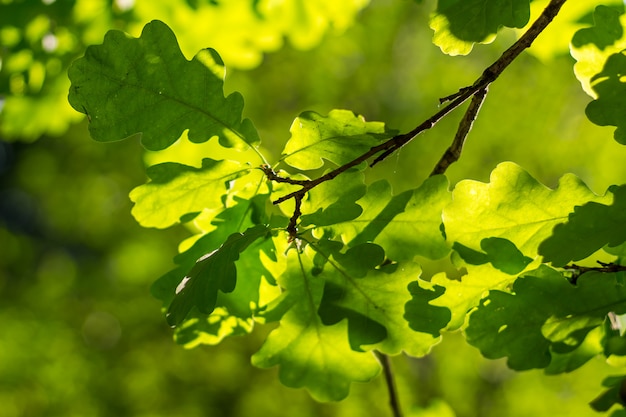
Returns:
(591,47)
(544,312)
(614,394)
(406,225)
(609,107)
(359,289)
(127,86)
(513,206)
(589,228)
(334,201)
(214,272)
(459,298)
(175,190)
(311,354)
(339,138)
(459,24)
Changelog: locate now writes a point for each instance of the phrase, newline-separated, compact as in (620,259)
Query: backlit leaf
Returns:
(512,206)
(311,354)
(145,85)
(339,137)
(176,190)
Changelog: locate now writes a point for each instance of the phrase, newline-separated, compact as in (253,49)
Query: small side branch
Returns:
(394,404)
(577,270)
(476,90)
(453,153)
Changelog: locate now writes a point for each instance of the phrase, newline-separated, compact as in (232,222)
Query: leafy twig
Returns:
(453,153)
(391,386)
(455,100)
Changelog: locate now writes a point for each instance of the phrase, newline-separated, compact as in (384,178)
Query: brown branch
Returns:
(389,380)
(455,100)
(578,270)
(453,153)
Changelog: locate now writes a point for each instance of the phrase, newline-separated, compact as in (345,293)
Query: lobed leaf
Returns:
(176,190)
(513,206)
(214,272)
(592,46)
(459,24)
(339,138)
(146,86)
(372,298)
(609,107)
(589,228)
(311,354)
(545,312)
(406,225)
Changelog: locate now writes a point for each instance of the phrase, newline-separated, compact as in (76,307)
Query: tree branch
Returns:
(577,270)
(453,153)
(391,386)
(478,89)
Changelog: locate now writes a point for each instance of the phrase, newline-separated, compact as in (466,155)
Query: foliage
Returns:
(315,253)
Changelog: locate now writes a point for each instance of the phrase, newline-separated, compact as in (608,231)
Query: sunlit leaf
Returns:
(512,206)
(406,225)
(357,290)
(459,24)
(339,137)
(311,354)
(127,86)
(175,190)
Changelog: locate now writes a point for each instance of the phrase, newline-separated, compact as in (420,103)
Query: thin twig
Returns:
(391,385)
(455,100)
(453,153)
(578,270)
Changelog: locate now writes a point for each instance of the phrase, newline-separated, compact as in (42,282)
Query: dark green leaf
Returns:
(215,271)
(339,137)
(589,228)
(544,312)
(458,24)
(127,86)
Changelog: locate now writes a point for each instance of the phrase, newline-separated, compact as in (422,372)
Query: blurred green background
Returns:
(80,334)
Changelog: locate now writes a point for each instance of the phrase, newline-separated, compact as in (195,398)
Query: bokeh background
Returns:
(80,334)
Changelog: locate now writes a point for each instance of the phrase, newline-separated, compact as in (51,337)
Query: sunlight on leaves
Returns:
(311,354)
(176,190)
(339,137)
(512,206)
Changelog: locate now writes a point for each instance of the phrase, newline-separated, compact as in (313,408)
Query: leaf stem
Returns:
(394,404)
(578,270)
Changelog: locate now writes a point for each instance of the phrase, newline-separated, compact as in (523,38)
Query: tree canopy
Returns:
(429,189)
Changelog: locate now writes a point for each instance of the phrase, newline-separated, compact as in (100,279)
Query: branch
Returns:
(391,386)
(577,270)
(453,153)
(478,89)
